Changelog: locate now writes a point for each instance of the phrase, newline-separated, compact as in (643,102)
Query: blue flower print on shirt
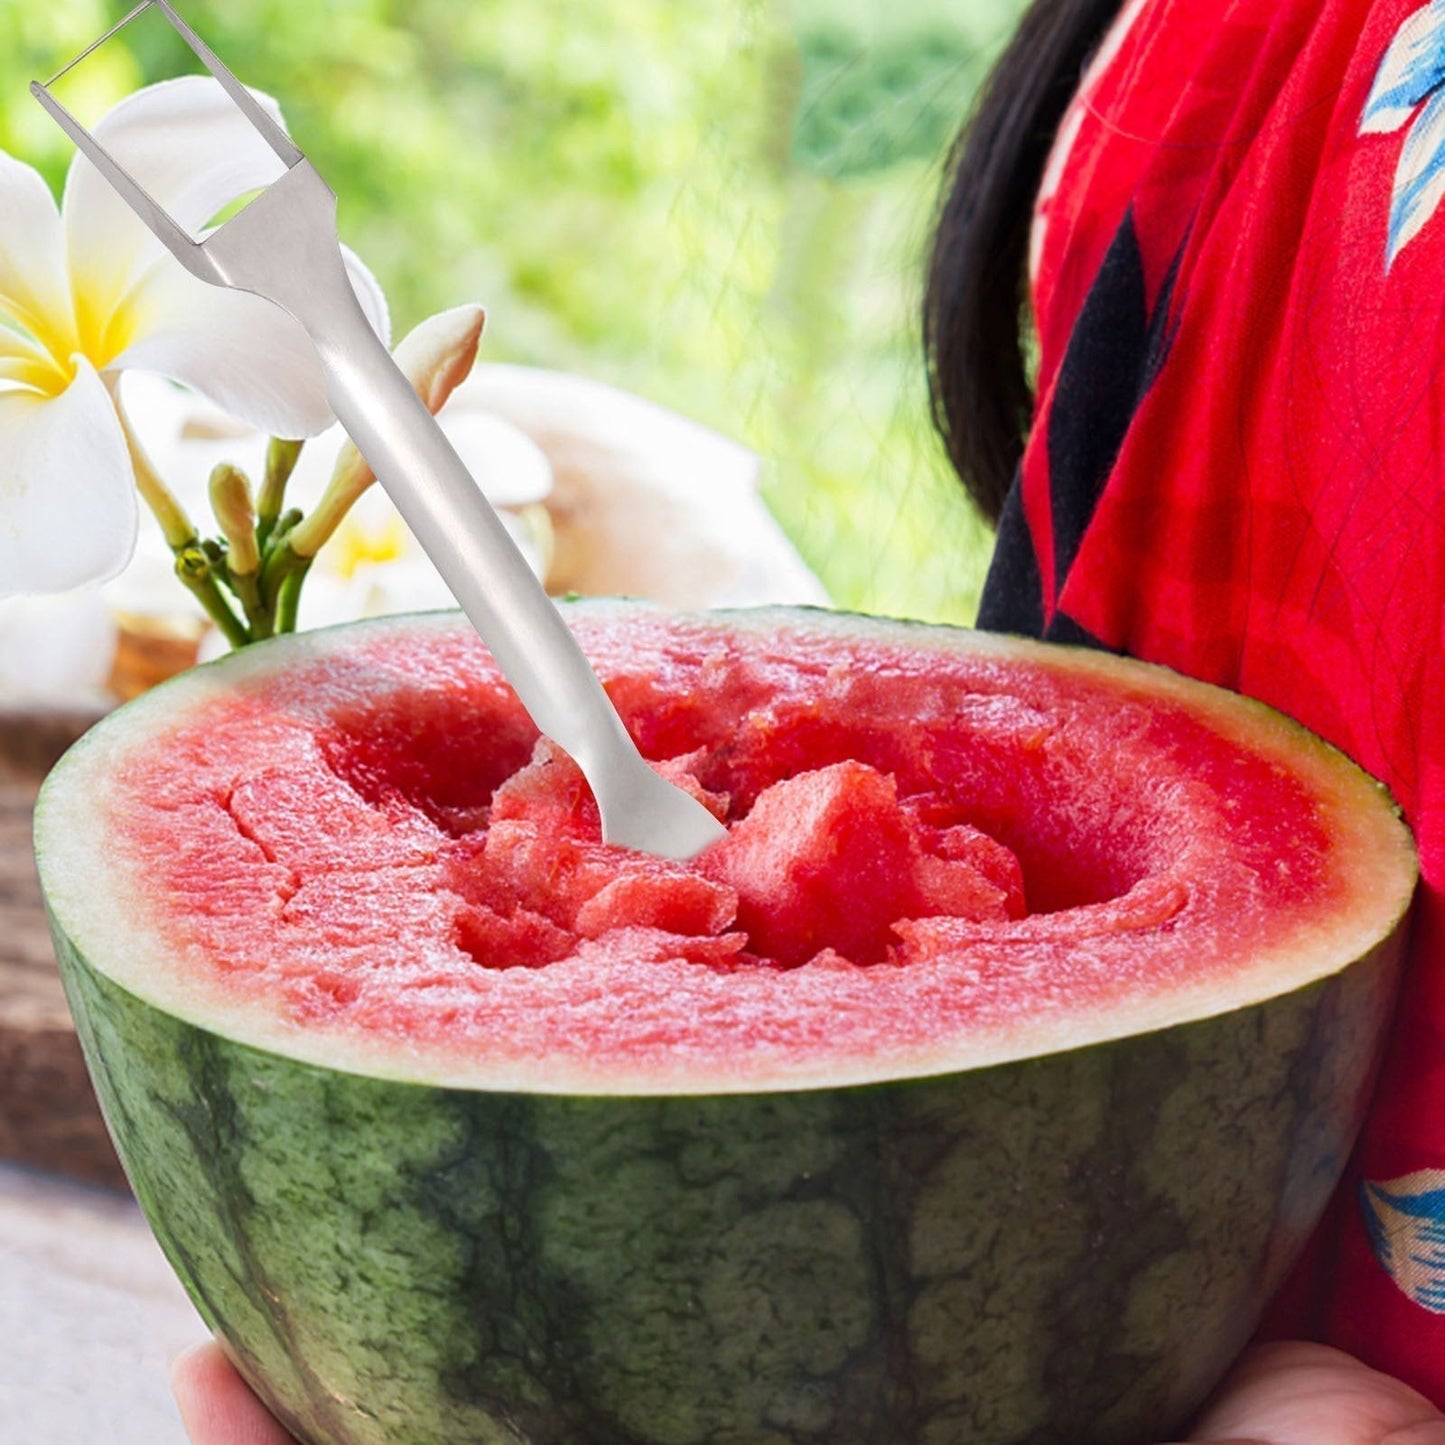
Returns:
(1406,1223)
(1409,91)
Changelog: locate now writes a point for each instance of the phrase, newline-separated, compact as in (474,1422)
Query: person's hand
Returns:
(1299,1394)
(217,1406)
(1281,1394)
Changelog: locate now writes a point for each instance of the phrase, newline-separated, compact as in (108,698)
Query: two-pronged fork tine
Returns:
(283,246)
(286,149)
(156,217)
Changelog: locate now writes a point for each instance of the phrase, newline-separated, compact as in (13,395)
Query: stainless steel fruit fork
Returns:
(284,246)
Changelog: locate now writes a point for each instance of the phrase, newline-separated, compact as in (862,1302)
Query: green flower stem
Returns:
(289,600)
(176,526)
(282,574)
(259,613)
(281,458)
(194,569)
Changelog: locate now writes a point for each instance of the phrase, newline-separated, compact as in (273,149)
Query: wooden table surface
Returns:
(48,1114)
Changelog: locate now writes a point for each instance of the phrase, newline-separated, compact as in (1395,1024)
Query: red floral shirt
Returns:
(1237,468)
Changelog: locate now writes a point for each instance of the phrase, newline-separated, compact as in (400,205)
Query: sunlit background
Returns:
(721,205)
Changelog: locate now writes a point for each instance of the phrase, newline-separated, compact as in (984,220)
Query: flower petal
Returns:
(32,256)
(374,589)
(67,492)
(188,145)
(368,293)
(246,354)
(242,352)
(645,502)
(24,361)
(186,142)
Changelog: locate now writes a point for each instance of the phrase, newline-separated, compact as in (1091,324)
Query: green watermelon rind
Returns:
(923,1262)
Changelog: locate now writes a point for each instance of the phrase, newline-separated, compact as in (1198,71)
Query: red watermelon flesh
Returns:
(375,837)
(831,860)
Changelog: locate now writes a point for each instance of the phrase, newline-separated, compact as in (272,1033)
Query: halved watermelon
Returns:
(978,1088)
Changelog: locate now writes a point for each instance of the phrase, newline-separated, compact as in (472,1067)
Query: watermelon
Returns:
(979,1088)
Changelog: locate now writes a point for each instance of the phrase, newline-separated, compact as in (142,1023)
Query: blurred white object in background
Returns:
(91,1316)
(56,648)
(645,502)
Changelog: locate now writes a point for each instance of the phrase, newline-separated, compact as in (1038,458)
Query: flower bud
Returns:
(436,357)
(281,458)
(192,565)
(236,513)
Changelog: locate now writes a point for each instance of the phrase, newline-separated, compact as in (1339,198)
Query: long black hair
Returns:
(974,306)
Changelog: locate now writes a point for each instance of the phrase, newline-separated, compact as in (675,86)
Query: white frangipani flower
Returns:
(86,292)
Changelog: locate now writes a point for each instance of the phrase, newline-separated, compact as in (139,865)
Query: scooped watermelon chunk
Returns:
(830,860)
(938,825)
(542,854)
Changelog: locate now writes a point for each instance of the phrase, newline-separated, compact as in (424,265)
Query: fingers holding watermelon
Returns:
(217,1406)
(1293,1393)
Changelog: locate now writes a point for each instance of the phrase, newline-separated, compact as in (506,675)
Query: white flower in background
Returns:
(645,502)
(372,565)
(86,292)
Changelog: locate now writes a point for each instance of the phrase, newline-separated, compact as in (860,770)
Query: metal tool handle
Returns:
(459,530)
(284,246)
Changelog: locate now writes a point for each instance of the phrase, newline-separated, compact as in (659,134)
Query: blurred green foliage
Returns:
(722,206)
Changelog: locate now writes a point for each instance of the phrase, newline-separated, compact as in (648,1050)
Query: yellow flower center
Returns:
(99,332)
(355,544)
